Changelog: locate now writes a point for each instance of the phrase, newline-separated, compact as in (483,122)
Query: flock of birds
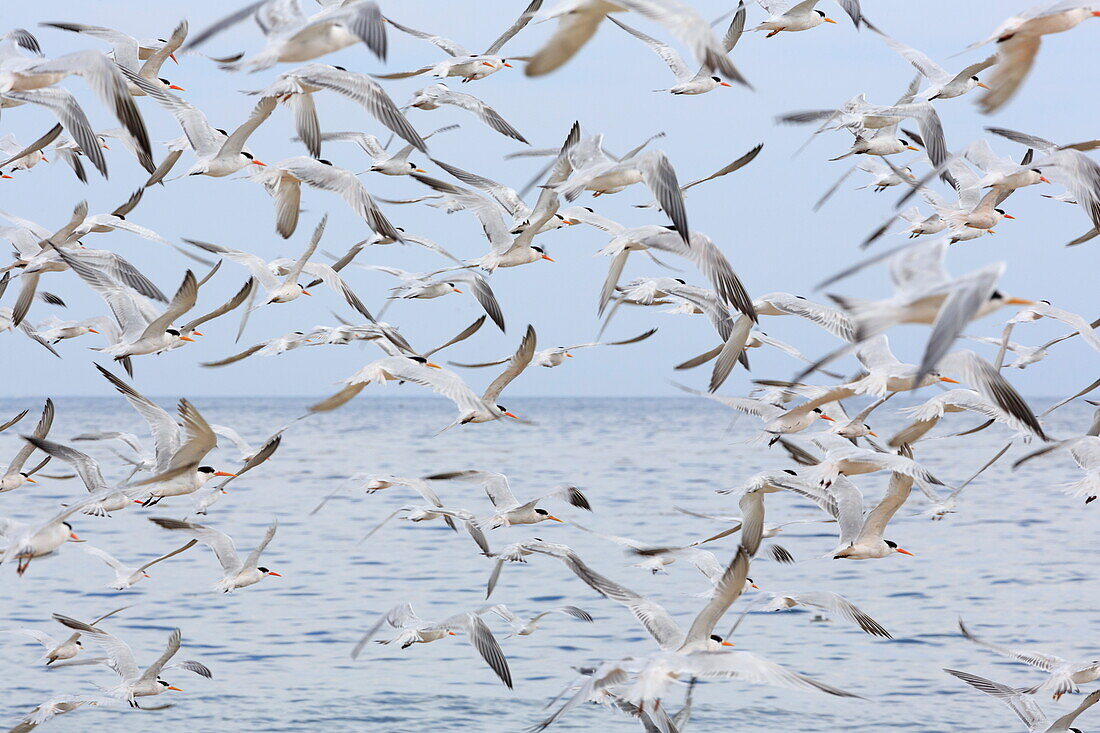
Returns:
(138,319)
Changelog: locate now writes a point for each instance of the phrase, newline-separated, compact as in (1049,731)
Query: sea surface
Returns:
(1018,562)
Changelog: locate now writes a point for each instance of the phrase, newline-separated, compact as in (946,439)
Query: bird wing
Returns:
(750,668)
(519,24)
(484,112)
(666,52)
(516,365)
(235,142)
(173,646)
(1015,57)
(253,558)
(484,642)
(254,263)
(446,44)
(1045,662)
(86,466)
(495,485)
(369,95)
(122,657)
(173,553)
(920,61)
(108,558)
(200,438)
(837,604)
(874,526)
(727,590)
(1024,706)
(41,430)
(506,196)
(730,168)
(347,186)
(219,542)
(624,342)
(166,436)
(183,301)
(296,269)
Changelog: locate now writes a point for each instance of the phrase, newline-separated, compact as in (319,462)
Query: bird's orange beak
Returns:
(830,20)
(949,380)
(552,518)
(1044,179)
(72,536)
(432,365)
(872,433)
(31,480)
(452,633)
(569,355)
(224,473)
(197,333)
(486,63)
(4,175)
(259,163)
(172,687)
(1096,13)
(306,292)
(910,147)
(1009,216)
(104,146)
(725,84)
(145,575)
(754,585)
(458,291)
(92,330)
(729,643)
(177,87)
(904,552)
(1020,301)
(420,170)
(548,258)
(138,501)
(983,86)
(826,417)
(508,65)
(508,414)
(45,158)
(272,572)
(173,57)
(186,338)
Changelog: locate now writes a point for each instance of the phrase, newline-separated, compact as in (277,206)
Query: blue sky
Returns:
(760,216)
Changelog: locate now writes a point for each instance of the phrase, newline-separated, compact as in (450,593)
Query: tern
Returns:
(126,51)
(521,627)
(425,286)
(1018,40)
(1026,709)
(133,681)
(509,509)
(831,603)
(296,88)
(688,81)
(557,355)
(463,62)
(14,476)
(235,572)
(412,630)
(388,164)
(67,649)
(471,407)
(801,17)
(941,84)
(125,575)
(436,95)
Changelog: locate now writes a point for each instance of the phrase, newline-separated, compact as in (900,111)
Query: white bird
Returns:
(283,182)
(801,17)
(24,542)
(941,84)
(1064,675)
(388,164)
(1018,40)
(176,457)
(437,95)
(292,37)
(861,535)
(509,509)
(578,21)
(126,51)
(1024,707)
(472,408)
(425,286)
(217,153)
(14,476)
(108,499)
(463,62)
(521,627)
(831,603)
(125,575)
(298,86)
(557,355)
(133,681)
(778,420)
(412,630)
(236,573)
(105,78)
(62,650)
(927,415)
(688,81)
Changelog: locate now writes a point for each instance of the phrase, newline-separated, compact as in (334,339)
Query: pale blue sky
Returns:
(761,216)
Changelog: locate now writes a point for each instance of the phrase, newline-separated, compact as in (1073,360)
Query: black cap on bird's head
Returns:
(790,471)
(222,131)
(820,12)
(681,281)
(891,544)
(323,161)
(542,512)
(341,68)
(78,643)
(419,359)
(173,331)
(67,525)
(720,640)
(248,155)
